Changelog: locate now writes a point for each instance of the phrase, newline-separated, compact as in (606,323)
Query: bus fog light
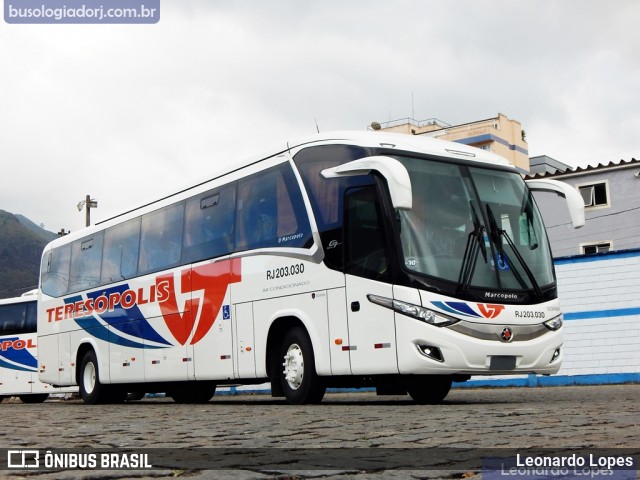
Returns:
(430,351)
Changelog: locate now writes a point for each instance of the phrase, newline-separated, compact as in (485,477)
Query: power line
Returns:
(599,216)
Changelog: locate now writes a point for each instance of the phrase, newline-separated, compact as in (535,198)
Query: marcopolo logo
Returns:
(81,11)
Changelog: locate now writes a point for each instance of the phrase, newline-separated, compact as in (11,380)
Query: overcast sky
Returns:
(126,112)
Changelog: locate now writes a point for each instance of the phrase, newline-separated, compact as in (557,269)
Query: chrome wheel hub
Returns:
(293,366)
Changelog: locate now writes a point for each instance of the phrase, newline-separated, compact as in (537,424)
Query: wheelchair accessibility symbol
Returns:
(502,262)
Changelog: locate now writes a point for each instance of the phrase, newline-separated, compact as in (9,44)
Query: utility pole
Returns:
(88,203)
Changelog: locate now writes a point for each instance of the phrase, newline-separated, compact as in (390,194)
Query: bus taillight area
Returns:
(477,349)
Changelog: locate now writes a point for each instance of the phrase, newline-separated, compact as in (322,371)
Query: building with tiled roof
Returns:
(611,193)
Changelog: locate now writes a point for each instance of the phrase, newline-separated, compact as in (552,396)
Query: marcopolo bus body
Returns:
(346,259)
(18,351)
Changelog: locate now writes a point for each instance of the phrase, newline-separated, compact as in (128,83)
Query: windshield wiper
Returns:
(496,235)
(475,243)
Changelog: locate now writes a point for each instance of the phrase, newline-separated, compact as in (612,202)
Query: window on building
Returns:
(595,195)
(596,248)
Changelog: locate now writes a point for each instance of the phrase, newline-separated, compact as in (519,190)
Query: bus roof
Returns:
(404,142)
(23,299)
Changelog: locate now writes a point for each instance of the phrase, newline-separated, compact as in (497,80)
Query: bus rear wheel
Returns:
(91,390)
(196,392)
(34,398)
(429,389)
(300,383)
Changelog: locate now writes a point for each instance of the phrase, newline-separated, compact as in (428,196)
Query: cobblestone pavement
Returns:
(586,417)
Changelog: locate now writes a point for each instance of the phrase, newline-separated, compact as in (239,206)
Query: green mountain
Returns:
(38,230)
(21,245)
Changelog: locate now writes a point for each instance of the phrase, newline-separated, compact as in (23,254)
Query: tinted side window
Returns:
(366,252)
(18,318)
(31,322)
(270,211)
(55,271)
(209,224)
(161,239)
(326,194)
(121,248)
(86,258)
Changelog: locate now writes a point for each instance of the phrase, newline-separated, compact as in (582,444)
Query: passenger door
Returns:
(372,338)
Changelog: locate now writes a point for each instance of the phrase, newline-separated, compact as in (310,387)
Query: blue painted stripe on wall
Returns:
(554,380)
(619,312)
(598,257)
(491,138)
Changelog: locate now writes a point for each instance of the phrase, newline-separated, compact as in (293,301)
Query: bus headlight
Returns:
(414,311)
(554,324)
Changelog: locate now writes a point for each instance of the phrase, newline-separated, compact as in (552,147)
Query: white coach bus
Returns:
(19,352)
(348,259)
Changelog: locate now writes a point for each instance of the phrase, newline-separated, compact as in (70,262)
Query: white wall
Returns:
(600,298)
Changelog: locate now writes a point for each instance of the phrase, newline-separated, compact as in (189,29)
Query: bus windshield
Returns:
(476,227)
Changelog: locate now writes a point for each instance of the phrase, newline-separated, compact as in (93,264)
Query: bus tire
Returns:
(196,392)
(34,398)
(429,389)
(91,390)
(298,377)
(135,396)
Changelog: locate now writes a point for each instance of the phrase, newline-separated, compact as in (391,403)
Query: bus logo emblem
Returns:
(506,335)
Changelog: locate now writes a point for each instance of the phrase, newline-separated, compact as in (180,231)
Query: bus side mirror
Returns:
(570,194)
(391,169)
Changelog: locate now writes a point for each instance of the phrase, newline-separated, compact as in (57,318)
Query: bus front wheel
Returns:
(300,383)
(429,389)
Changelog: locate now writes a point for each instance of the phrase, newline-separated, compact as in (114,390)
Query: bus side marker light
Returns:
(338,341)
